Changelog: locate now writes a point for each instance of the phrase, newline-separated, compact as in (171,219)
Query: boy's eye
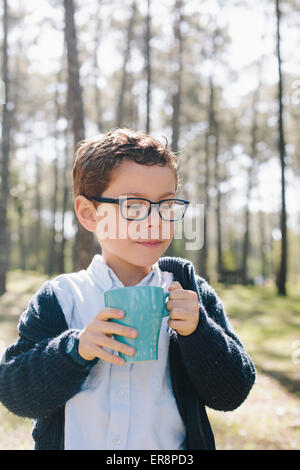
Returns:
(134,209)
(172,210)
(135,206)
(167,205)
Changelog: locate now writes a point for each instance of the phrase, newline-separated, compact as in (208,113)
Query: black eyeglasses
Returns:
(133,208)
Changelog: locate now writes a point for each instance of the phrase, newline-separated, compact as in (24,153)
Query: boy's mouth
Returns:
(150,243)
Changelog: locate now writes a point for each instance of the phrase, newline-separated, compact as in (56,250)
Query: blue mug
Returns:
(144,307)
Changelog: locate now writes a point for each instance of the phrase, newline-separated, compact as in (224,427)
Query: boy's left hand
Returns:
(183,306)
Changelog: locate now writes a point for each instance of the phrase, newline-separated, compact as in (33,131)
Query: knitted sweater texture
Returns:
(209,368)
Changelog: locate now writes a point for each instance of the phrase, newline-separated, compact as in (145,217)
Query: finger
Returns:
(175,285)
(180,325)
(184,304)
(109,312)
(183,294)
(111,343)
(98,351)
(179,314)
(113,328)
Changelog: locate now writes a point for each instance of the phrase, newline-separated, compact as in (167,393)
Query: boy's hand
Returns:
(184,309)
(98,334)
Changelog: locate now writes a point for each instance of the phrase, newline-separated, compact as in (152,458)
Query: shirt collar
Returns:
(106,278)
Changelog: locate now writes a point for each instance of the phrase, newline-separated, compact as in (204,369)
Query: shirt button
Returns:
(121,393)
(116,440)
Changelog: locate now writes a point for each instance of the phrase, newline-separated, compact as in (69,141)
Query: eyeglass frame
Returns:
(122,199)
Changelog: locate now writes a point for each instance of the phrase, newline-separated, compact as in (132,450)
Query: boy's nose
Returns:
(154,223)
(154,217)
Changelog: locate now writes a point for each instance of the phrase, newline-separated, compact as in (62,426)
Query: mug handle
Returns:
(165,310)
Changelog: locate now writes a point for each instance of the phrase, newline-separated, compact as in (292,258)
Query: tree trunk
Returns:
(51,264)
(251,175)
(218,200)
(38,207)
(21,232)
(263,244)
(282,272)
(176,96)
(65,189)
(84,239)
(4,232)
(148,65)
(96,68)
(203,254)
(120,108)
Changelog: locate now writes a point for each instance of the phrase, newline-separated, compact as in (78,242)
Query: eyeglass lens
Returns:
(137,209)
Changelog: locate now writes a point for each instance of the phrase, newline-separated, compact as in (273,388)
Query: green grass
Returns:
(268,420)
(268,326)
(15,432)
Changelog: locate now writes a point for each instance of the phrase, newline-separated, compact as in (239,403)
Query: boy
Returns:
(64,371)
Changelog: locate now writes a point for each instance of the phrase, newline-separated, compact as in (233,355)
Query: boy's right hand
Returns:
(98,334)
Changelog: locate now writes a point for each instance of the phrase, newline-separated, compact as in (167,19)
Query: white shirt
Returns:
(118,407)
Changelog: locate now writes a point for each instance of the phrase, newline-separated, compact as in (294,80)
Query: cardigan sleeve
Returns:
(36,375)
(214,357)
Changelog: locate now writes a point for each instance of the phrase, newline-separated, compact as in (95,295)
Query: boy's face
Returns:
(122,238)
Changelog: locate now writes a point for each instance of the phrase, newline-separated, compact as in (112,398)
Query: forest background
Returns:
(220,80)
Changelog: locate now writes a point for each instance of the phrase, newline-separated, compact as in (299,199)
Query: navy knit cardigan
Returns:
(209,368)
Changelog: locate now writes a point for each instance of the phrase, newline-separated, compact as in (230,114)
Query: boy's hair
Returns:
(96,158)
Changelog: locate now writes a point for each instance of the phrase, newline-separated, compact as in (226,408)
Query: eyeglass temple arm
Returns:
(109,199)
(104,199)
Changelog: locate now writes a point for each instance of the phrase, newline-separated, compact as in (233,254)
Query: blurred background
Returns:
(221,81)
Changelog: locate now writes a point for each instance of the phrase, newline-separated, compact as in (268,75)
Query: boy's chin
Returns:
(144,251)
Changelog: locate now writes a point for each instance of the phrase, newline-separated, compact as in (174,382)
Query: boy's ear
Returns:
(85,212)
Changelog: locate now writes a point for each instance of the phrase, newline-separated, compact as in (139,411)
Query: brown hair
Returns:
(95,158)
